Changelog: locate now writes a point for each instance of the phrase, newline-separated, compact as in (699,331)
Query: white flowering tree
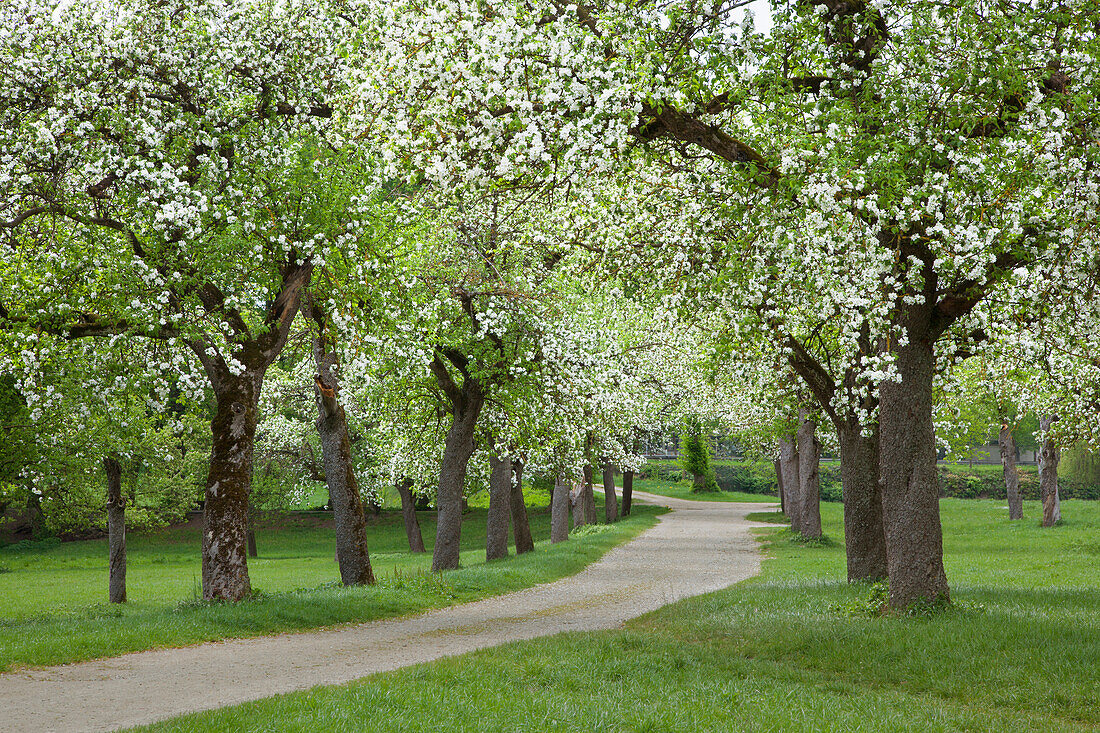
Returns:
(917,153)
(151,185)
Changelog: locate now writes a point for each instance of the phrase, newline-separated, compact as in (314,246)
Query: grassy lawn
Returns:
(51,596)
(682,490)
(790,650)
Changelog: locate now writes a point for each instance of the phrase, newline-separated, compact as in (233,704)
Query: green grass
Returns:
(682,490)
(51,608)
(1020,650)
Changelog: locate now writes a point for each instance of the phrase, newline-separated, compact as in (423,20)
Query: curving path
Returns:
(696,548)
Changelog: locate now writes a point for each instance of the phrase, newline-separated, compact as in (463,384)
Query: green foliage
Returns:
(17,445)
(695,455)
(960,481)
(1079,467)
(875,603)
(957,480)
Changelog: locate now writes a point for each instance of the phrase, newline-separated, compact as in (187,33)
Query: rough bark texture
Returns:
(408,512)
(588,497)
(467,402)
(610,500)
(864,536)
(788,461)
(500,499)
(228,483)
(521,526)
(233,428)
(559,513)
(809,478)
(1012,478)
(628,491)
(116,533)
(343,487)
(1049,456)
(907,463)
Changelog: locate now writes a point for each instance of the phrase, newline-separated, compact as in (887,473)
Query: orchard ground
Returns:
(796,648)
(52,595)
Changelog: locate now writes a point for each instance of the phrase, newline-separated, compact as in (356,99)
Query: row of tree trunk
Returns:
(1049,457)
(798,475)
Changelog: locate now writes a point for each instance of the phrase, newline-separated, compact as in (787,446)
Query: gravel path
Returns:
(696,548)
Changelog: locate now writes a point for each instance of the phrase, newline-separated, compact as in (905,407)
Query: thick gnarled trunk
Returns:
(789,467)
(864,536)
(408,513)
(809,478)
(559,512)
(1012,478)
(610,500)
(458,449)
(628,491)
(233,427)
(907,461)
(1049,456)
(521,526)
(500,499)
(116,532)
(228,483)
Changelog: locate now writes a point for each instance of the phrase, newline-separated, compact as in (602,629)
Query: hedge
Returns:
(956,481)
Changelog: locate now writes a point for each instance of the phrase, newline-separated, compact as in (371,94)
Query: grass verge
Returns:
(788,650)
(45,618)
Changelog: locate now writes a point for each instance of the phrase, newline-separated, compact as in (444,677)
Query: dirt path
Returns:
(696,548)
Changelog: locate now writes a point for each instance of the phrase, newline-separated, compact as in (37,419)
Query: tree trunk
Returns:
(500,499)
(576,501)
(809,478)
(457,450)
(233,432)
(559,514)
(228,483)
(628,491)
(788,460)
(343,487)
(1012,479)
(521,526)
(907,460)
(1049,456)
(610,500)
(779,485)
(864,536)
(116,532)
(408,513)
(588,496)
